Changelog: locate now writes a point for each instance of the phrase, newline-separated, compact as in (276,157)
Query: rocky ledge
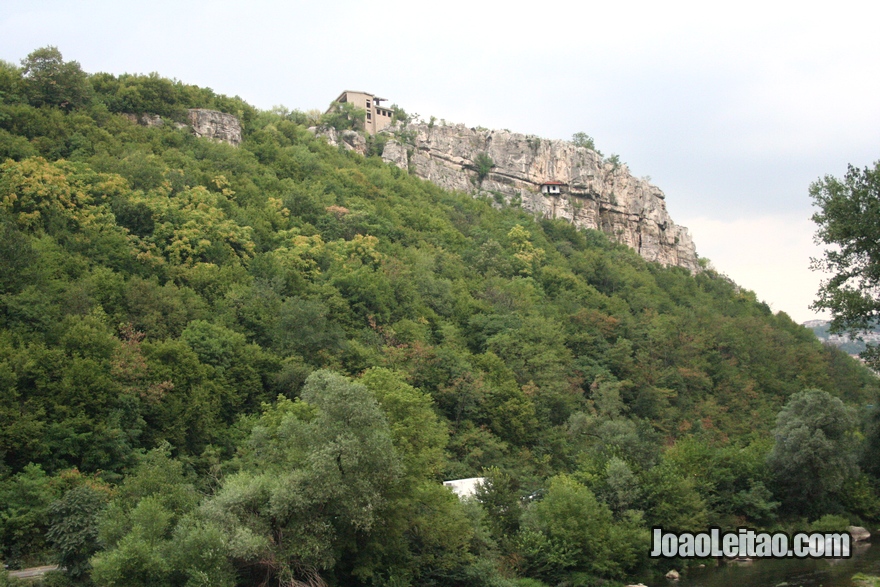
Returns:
(594,193)
(215,125)
(210,124)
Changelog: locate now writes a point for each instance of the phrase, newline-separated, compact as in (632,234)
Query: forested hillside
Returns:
(254,365)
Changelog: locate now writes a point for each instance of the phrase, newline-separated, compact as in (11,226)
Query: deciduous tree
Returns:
(51,81)
(814,454)
(849,221)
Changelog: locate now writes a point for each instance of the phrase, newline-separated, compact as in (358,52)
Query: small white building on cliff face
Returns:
(377,118)
(551,188)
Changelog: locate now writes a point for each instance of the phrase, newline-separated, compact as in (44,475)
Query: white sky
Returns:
(732,108)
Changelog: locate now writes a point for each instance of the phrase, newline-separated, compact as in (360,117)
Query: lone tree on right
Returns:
(849,221)
(813,458)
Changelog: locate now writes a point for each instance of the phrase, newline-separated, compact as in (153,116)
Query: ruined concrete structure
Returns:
(377,118)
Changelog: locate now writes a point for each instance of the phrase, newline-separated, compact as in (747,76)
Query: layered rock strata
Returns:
(595,193)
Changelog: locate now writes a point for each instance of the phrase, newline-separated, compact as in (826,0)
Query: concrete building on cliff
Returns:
(377,117)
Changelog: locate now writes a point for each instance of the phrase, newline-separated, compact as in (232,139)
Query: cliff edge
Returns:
(594,193)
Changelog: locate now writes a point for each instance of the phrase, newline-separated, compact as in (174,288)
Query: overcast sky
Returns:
(732,108)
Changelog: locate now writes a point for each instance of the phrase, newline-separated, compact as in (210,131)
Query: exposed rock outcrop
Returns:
(145,119)
(858,533)
(210,124)
(215,125)
(595,193)
(349,139)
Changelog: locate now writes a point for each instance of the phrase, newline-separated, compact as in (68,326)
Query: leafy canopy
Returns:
(849,221)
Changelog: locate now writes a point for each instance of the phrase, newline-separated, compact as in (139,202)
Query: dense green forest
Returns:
(255,366)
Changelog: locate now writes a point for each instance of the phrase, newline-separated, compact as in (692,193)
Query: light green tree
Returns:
(417,433)
(570,531)
(316,476)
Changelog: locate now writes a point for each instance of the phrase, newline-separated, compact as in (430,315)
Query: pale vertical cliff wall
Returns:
(597,194)
(215,125)
(210,124)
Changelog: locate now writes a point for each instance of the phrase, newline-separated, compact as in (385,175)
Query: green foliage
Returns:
(170,99)
(310,487)
(26,499)
(569,531)
(322,338)
(863,580)
(814,454)
(830,523)
(73,529)
(137,528)
(344,116)
(673,501)
(848,210)
(400,115)
(418,435)
(7,581)
(482,165)
(732,480)
(142,556)
(500,497)
(48,80)
(582,139)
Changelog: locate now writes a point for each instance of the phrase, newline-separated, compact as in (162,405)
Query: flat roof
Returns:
(375,98)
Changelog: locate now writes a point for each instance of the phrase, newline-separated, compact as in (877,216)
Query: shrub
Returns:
(483,164)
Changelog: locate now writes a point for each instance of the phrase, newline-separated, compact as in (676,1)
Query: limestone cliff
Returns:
(595,193)
(349,139)
(211,124)
(215,125)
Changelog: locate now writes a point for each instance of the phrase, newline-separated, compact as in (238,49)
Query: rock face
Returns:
(595,193)
(145,119)
(215,125)
(349,139)
(211,124)
(858,533)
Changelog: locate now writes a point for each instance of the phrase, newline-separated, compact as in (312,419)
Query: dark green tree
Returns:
(582,139)
(51,81)
(849,221)
(500,497)
(814,454)
(483,164)
(345,116)
(24,503)
(73,529)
